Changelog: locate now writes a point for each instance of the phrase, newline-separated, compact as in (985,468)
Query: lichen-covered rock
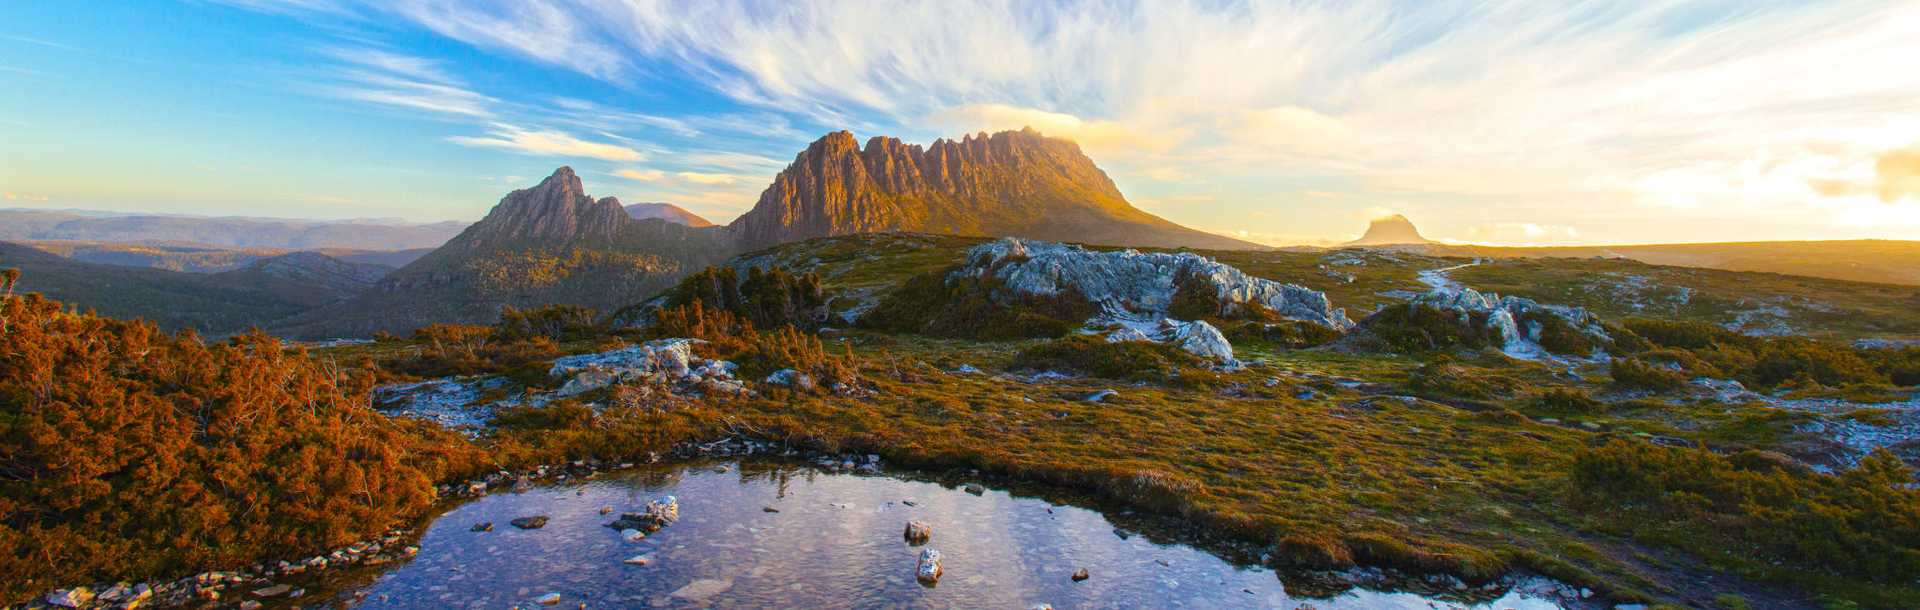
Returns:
(929,570)
(1198,338)
(1141,285)
(1505,314)
(668,361)
(658,514)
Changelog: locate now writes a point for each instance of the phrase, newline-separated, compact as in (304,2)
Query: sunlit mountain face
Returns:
(975,303)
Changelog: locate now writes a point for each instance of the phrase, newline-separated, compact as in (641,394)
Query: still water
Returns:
(834,542)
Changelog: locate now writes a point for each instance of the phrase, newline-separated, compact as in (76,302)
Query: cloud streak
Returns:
(546,143)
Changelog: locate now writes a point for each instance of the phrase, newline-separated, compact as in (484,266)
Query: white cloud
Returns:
(643,175)
(706,178)
(547,143)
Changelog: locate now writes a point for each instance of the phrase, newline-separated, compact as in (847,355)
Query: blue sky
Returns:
(1295,122)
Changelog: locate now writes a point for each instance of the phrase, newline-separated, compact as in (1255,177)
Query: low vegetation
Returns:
(941,304)
(131,453)
(1127,360)
(1412,328)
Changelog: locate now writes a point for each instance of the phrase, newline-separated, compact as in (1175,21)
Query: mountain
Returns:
(231,232)
(1012,183)
(1392,230)
(552,243)
(210,303)
(668,212)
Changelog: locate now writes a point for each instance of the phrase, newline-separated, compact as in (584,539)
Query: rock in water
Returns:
(484,526)
(638,560)
(658,514)
(918,532)
(928,572)
(548,599)
(530,523)
(1081,575)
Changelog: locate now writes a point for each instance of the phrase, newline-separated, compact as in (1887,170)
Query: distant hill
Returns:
(1865,260)
(200,258)
(668,212)
(211,303)
(553,243)
(1392,230)
(230,231)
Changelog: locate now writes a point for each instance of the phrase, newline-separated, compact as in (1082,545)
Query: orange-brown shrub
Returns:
(128,453)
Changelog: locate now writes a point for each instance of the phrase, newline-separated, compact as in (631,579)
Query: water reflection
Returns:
(828,541)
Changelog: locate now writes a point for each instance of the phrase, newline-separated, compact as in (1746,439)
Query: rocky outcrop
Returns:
(1516,319)
(1016,183)
(1133,285)
(668,362)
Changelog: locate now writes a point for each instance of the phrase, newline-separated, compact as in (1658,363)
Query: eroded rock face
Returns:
(1141,285)
(667,361)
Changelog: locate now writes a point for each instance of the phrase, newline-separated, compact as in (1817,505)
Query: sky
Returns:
(1515,123)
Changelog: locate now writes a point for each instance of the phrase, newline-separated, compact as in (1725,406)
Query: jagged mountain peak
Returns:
(1009,183)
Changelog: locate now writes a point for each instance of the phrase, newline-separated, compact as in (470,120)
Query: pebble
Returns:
(548,599)
(1081,574)
(530,523)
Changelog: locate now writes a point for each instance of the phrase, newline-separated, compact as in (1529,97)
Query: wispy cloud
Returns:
(547,143)
(393,79)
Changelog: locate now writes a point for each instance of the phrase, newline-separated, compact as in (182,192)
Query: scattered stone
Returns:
(548,599)
(638,560)
(530,523)
(1101,396)
(918,532)
(975,489)
(71,598)
(250,605)
(1081,575)
(928,571)
(484,526)
(791,378)
(273,591)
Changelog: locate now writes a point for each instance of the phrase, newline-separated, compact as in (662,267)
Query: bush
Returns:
(458,349)
(1568,400)
(561,415)
(1863,523)
(1901,366)
(1799,360)
(975,308)
(769,298)
(557,322)
(1417,328)
(1288,334)
(134,454)
(1129,360)
(1683,334)
(1637,374)
(1557,335)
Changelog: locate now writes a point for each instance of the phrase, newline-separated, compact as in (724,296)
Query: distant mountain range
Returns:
(228,231)
(553,243)
(212,303)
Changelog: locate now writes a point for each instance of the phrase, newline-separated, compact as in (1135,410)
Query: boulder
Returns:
(1503,314)
(669,361)
(918,532)
(530,523)
(1198,338)
(928,571)
(792,379)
